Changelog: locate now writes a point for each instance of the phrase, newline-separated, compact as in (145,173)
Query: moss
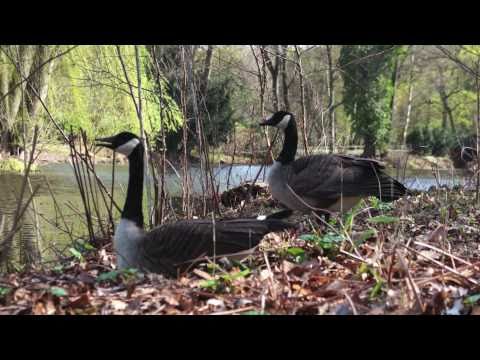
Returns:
(15,165)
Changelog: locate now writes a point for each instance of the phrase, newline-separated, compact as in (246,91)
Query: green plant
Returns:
(224,280)
(377,204)
(124,274)
(328,243)
(4,291)
(419,140)
(379,280)
(441,142)
(297,253)
(472,299)
(255,312)
(77,254)
(383,219)
(368,91)
(15,165)
(58,291)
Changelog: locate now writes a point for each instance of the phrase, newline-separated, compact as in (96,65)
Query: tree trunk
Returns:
(24,63)
(477,83)
(286,102)
(410,100)
(40,80)
(394,85)
(206,71)
(262,78)
(369,148)
(444,99)
(331,99)
(302,100)
(409,112)
(274,69)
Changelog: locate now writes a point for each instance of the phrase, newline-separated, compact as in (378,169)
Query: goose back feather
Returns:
(169,248)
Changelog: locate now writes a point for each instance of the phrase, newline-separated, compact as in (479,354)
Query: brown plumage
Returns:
(328,182)
(327,177)
(170,249)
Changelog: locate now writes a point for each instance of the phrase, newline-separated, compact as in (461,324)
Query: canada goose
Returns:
(170,248)
(328,182)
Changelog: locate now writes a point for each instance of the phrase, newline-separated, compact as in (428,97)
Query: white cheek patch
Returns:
(127,148)
(261,217)
(284,123)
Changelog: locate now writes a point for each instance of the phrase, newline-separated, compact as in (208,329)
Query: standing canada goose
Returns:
(171,248)
(328,182)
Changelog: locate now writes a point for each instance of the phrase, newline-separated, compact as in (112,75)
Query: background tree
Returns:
(368,90)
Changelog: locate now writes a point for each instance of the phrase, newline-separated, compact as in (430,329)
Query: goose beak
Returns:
(105,142)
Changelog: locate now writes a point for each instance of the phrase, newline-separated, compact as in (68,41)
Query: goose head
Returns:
(280,119)
(123,143)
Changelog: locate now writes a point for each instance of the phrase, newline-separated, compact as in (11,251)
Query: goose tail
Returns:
(391,189)
(275,223)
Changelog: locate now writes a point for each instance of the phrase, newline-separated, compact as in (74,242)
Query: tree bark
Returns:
(273,69)
(23,56)
(410,100)
(25,60)
(369,148)
(206,70)
(331,98)
(40,80)
(262,78)
(302,100)
(477,85)
(283,63)
(442,92)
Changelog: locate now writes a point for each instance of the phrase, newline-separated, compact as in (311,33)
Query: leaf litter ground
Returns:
(420,255)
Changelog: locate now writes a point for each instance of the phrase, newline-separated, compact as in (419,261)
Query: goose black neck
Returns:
(287,155)
(133,203)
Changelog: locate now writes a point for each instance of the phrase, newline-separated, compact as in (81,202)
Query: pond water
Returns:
(62,182)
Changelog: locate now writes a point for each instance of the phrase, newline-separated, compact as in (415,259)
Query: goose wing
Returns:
(167,247)
(330,176)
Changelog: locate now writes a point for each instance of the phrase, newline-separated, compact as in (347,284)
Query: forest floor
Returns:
(419,255)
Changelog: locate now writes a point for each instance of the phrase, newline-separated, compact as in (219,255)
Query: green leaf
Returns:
(254,312)
(330,241)
(376,289)
(88,246)
(308,237)
(380,205)
(472,300)
(384,219)
(368,234)
(363,268)
(4,291)
(208,284)
(239,274)
(76,253)
(58,291)
(111,275)
(378,285)
(295,251)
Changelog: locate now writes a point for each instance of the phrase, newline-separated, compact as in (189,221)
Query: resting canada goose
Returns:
(329,182)
(170,248)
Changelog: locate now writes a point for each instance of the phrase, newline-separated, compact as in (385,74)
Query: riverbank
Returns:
(420,255)
(60,153)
